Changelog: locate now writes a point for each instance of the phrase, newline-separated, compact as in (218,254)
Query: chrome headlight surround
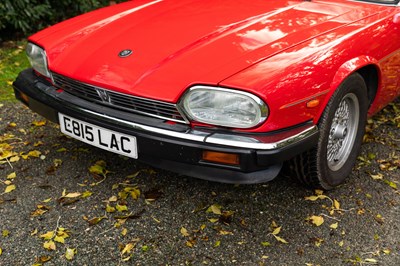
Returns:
(223,107)
(38,59)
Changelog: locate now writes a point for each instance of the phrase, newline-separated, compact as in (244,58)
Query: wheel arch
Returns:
(367,67)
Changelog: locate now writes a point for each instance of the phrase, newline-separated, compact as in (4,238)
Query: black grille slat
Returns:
(125,102)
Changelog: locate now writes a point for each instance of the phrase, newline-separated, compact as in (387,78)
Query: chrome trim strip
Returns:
(211,138)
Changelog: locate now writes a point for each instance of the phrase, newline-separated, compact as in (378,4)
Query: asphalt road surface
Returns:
(63,202)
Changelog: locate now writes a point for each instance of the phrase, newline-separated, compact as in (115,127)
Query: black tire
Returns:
(341,128)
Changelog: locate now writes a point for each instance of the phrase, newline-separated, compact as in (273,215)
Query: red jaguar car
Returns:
(226,91)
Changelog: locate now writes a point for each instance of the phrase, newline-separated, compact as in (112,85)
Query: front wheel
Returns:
(341,132)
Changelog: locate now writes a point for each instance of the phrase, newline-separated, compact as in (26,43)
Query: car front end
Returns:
(166,83)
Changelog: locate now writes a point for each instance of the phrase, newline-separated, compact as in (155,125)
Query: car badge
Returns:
(104,95)
(125,53)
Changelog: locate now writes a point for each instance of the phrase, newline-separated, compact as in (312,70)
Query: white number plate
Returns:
(97,136)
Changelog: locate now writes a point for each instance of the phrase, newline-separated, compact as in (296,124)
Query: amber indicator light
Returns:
(24,97)
(221,157)
(313,103)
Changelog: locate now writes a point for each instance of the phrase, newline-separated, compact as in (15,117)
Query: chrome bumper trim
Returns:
(227,140)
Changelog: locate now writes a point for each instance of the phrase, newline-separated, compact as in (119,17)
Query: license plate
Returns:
(97,136)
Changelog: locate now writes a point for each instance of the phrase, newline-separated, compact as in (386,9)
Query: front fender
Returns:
(343,72)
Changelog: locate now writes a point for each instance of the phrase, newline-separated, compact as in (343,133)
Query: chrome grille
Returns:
(117,100)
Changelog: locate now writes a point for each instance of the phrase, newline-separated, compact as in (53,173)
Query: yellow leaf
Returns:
(1,251)
(9,188)
(59,239)
(319,191)
(72,195)
(217,244)
(86,194)
(14,159)
(386,251)
(34,232)
(36,144)
(110,209)
(135,193)
(96,220)
(47,236)
(128,248)
(12,175)
(46,200)
(121,208)
(70,253)
(113,199)
(189,243)
(391,184)
(223,232)
(213,220)
(34,153)
(49,245)
(341,243)
(312,198)
(184,232)
(124,232)
(12,124)
(317,220)
(336,204)
(39,123)
(378,176)
(280,239)
(371,260)
(334,225)
(42,259)
(276,230)
(216,209)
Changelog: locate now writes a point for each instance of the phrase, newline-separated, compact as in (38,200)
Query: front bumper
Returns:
(178,148)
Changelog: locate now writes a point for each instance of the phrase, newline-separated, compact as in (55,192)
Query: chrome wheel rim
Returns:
(343,131)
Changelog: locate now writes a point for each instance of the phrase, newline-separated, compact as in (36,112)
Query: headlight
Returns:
(224,107)
(38,59)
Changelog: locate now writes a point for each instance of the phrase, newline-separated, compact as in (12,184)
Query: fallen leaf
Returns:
(184,232)
(110,209)
(42,259)
(49,245)
(86,194)
(39,123)
(378,176)
(391,184)
(266,244)
(70,253)
(96,220)
(334,225)
(216,209)
(276,230)
(128,248)
(9,188)
(336,204)
(280,239)
(5,233)
(47,236)
(317,220)
(121,208)
(59,239)
(72,195)
(12,175)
